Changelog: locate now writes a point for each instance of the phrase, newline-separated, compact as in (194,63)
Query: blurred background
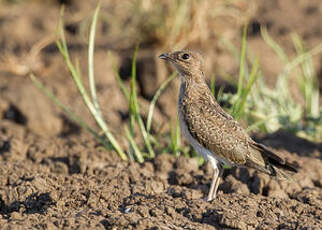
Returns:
(56,175)
(280,33)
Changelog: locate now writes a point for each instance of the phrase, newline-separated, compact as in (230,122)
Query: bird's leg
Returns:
(214,194)
(213,184)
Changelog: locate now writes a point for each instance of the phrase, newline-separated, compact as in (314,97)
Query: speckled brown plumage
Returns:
(211,131)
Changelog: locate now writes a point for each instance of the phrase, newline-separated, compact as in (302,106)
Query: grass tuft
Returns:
(269,109)
(135,117)
(243,89)
(75,72)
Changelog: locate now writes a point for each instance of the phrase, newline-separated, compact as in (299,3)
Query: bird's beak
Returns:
(164,56)
(167,57)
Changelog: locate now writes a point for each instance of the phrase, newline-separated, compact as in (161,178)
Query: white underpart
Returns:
(202,151)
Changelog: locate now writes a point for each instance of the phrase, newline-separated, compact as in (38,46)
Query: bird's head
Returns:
(189,64)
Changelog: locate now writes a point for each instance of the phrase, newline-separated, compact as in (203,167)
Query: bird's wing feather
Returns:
(268,152)
(273,158)
(213,128)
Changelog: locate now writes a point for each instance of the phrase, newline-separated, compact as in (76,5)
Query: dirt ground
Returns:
(54,175)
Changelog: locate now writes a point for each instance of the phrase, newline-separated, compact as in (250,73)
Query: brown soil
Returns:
(53,175)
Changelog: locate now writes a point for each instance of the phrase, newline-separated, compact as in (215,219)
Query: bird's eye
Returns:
(185,56)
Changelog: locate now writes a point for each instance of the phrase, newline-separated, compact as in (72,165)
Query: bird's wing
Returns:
(216,130)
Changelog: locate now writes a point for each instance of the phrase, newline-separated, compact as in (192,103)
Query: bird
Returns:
(212,132)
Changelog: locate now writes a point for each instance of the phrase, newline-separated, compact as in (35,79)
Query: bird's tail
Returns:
(282,173)
(274,165)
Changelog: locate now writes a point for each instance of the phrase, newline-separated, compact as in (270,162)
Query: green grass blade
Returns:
(146,137)
(220,92)
(276,47)
(155,98)
(178,132)
(242,64)
(253,75)
(131,123)
(121,84)
(173,144)
(132,109)
(301,58)
(252,78)
(91,59)
(133,99)
(134,146)
(239,106)
(78,71)
(212,84)
(60,35)
(173,140)
(136,108)
(307,81)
